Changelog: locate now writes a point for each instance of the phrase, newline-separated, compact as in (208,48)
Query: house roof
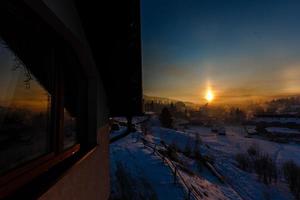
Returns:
(113,32)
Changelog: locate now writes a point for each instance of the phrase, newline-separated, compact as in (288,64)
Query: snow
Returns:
(122,130)
(278,119)
(142,163)
(251,129)
(236,142)
(282,130)
(135,120)
(206,182)
(224,149)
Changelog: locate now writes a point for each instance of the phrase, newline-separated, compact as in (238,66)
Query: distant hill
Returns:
(165,100)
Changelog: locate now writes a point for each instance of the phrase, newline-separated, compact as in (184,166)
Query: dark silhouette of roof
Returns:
(113,32)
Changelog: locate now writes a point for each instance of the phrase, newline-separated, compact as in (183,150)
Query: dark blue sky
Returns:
(242,50)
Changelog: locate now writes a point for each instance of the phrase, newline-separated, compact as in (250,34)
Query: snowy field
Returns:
(142,164)
(224,149)
(283,120)
(281,130)
(236,142)
(151,178)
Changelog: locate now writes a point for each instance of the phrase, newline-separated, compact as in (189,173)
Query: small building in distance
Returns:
(277,119)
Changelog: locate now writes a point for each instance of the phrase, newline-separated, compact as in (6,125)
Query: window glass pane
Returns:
(69,129)
(24,113)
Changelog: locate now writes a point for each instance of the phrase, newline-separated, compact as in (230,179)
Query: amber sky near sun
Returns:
(246,50)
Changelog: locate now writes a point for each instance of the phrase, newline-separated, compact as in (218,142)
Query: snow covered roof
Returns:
(284,118)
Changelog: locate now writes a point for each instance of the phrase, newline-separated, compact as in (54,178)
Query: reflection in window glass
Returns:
(24,113)
(69,129)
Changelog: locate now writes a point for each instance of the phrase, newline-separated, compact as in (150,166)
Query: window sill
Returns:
(16,179)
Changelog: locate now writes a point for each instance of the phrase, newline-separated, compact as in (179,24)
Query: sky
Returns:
(241,50)
(13,91)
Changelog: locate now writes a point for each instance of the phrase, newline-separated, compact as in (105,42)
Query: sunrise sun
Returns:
(209,95)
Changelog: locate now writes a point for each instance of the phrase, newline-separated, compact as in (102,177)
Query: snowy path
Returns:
(143,167)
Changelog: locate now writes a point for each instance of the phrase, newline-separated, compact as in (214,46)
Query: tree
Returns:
(266,169)
(291,172)
(166,118)
(173,108)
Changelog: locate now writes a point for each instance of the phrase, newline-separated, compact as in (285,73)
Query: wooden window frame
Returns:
(20,175)
(23,174)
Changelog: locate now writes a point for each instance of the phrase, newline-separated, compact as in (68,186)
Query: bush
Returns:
(291,173)
(165,118)
(266,169)
(197,154)
(243,161)
(173,146)
(172,152)
(163,143)
(198,141)
(187,149)
(199,164)
(262,164)
(253,151)
(261,129)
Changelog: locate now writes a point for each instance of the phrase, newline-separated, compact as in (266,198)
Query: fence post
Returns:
(144,142)
(175,173)
(154,149)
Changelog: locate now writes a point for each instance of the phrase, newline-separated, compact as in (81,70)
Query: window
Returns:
(70,138)
(24,113)
(39,95)
(38,121)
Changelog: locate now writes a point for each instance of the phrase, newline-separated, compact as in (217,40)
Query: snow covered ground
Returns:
(149,177)
(236,142)
(142,164)
(224,149)
(283,120)
(281,130)
(122,130)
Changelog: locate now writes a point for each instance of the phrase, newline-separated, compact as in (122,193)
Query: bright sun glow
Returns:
(209,95)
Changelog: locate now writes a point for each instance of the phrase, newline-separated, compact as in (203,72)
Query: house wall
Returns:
(88,178)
